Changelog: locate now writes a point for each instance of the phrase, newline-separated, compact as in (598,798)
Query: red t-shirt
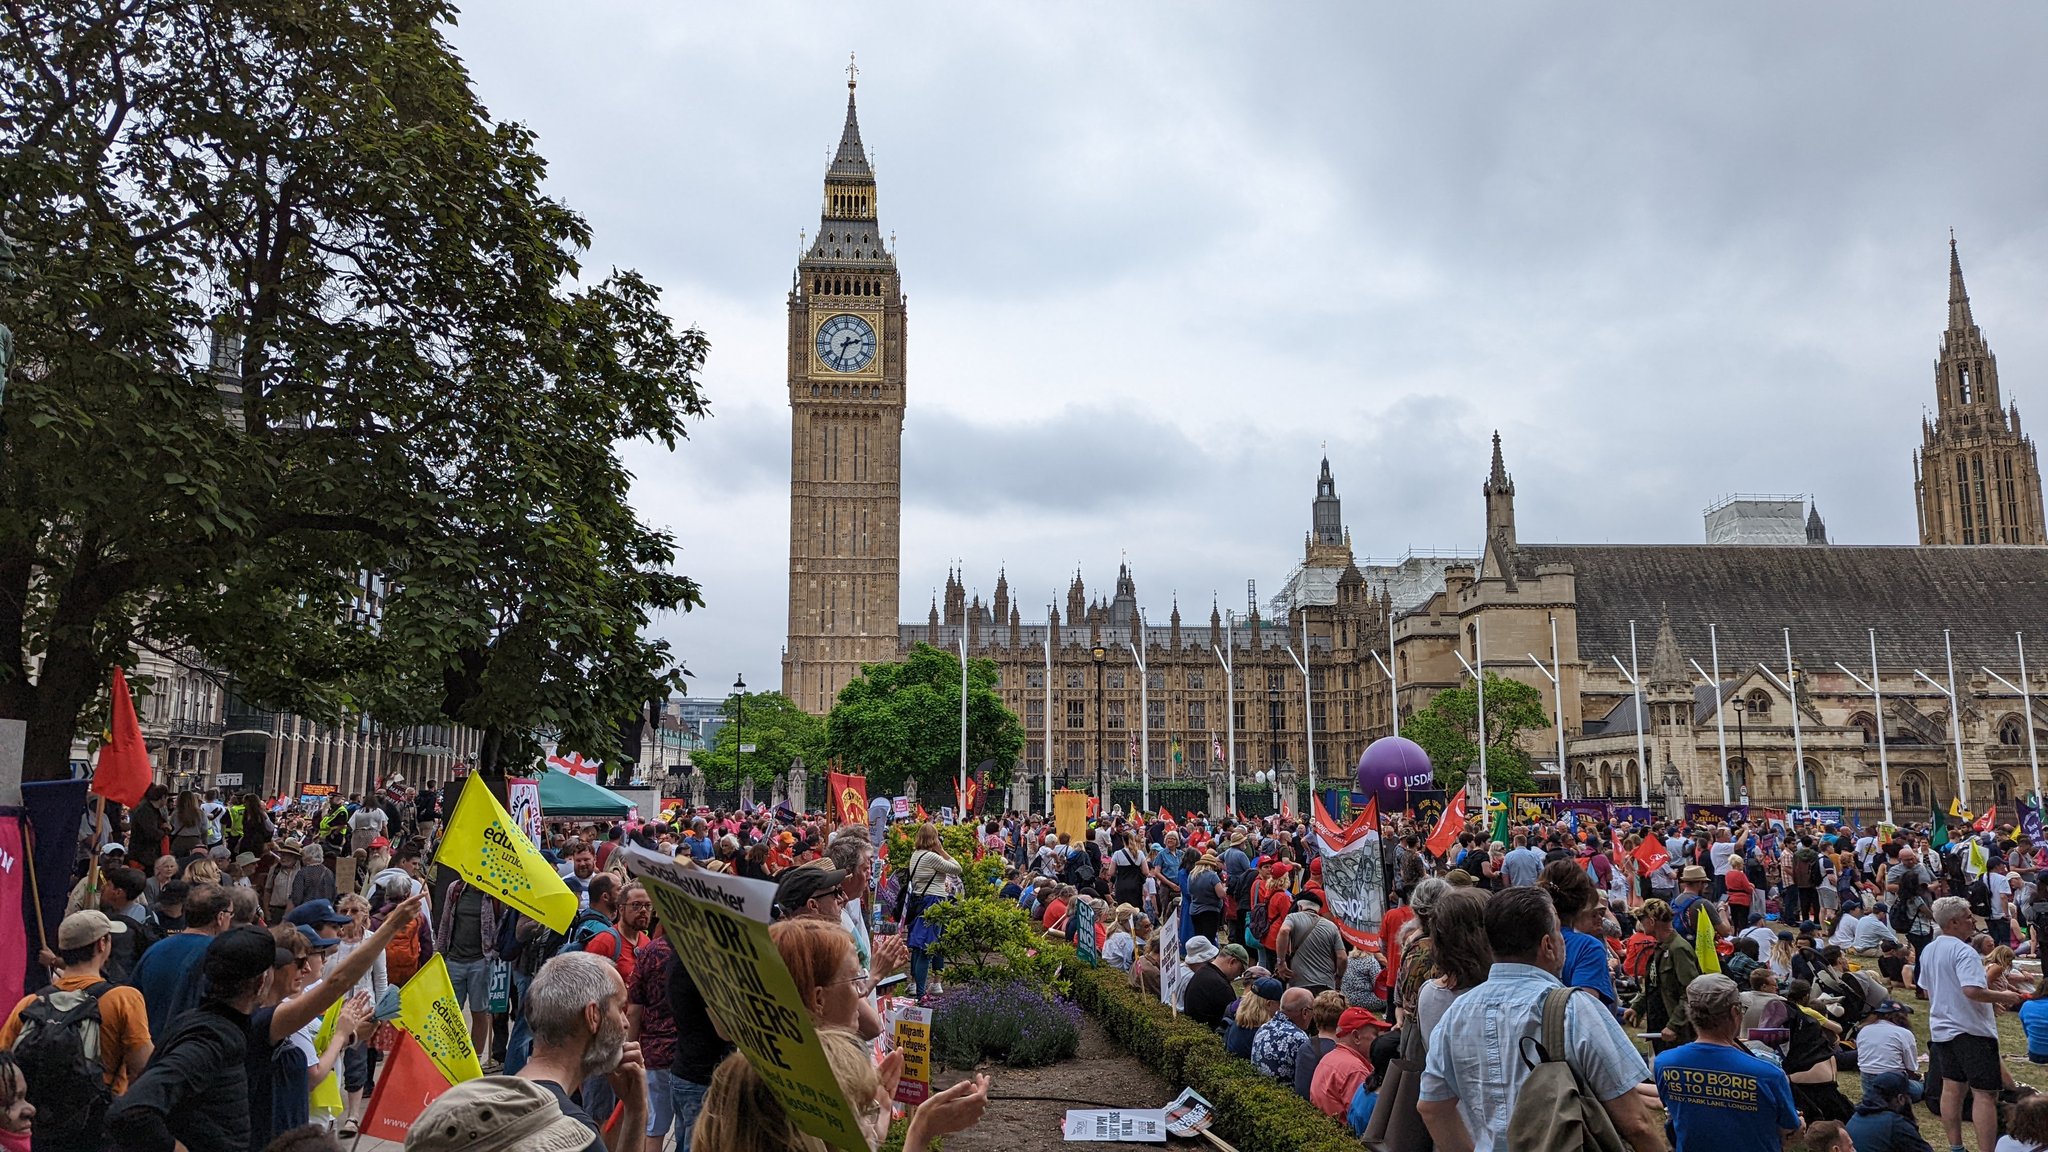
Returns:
(1740,889)
(605,944)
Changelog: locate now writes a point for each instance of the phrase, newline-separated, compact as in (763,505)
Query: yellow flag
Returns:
(1702,942)
(427,1009)
(327,1093)
(1979,862)
(491,851)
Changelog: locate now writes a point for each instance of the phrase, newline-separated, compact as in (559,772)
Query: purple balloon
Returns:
(1389,767)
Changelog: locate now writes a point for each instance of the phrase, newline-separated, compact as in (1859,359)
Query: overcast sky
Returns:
(1159,254)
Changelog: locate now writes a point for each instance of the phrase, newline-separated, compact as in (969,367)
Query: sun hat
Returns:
(1693,874)
(496,1114)
(1200,950)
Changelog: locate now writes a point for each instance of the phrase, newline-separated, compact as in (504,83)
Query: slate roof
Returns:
(1827,594)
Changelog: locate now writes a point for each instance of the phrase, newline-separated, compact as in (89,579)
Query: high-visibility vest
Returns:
(235,815)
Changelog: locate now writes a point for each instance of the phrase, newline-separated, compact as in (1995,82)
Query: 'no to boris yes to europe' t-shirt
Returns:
(1724,1100)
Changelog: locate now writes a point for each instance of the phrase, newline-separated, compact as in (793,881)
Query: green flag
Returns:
(1939,838)
(1500,816)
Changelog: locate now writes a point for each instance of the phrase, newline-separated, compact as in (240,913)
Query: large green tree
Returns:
(779,732)
(903,719)
(293,309)
(1448,729)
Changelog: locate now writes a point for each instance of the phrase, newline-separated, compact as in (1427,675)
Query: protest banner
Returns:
(1828,817)
(1127,1125)
(1426,806)
(1084,932)
(912,1028)
(1534,805)
(1586,810)
(406,1084)
(315,795)
(899,808)
(1173,975)
(2030,816)
(1354,875)
(487,848)
(1190,1114)
(1635,814)
(523,798)
(849,797)
(1716,813)
(746,988)
(427,1008)
(1070,814)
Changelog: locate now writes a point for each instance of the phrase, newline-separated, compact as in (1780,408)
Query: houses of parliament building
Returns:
(1637,628)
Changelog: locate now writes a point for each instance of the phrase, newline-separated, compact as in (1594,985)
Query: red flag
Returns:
(1094,805)
(850,797)
(1983,823)
(1192,817)
(406,1085)
(123,774)
(1370,814)
(1448,825)
(1165,817)
(921,817)
(1650,854)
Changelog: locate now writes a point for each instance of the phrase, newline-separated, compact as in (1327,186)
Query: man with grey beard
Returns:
(576,1008)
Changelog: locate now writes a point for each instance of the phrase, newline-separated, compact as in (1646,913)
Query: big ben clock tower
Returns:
(846,394)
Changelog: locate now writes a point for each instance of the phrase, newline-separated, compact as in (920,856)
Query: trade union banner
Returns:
(849,797)
(746,988)
(1354,875)
(427,1009)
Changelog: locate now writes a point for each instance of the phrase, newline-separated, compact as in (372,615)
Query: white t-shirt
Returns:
(366,825)
(1947,966)
(2000,884)
(1845,931)
(2015,1144)
(1882,1046)
(1719,854)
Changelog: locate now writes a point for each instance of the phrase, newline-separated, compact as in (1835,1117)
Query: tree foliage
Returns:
(779,731)
(902,719)
(412,381)
(1448,729)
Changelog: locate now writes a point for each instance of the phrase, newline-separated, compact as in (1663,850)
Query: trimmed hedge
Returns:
(1253,1111)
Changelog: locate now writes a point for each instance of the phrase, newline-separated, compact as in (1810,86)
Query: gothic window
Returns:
(2001,788)
(1237,680)
(1073,679)
(2011,732)
(1035,678)
(1812,771)
(1116,714)
(1198,715)
(1963,384)
(1116,679)
(1604,779)
(1034,756)
(1347,715)
(1155,714)
(1276,715)
(1077,713)
(1344,676)
(1738,776)
(1034,713)
(1237,714)
(1077,757)
(1863,722)
(1197,681)
(1275,682)
(1912,789)
(1115,754)
(1155,750)
(1760,704)
(1155,680)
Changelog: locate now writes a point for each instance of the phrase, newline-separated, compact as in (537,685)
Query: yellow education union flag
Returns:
(327,1093)
(428,1010)
(1702,942)
(491,851)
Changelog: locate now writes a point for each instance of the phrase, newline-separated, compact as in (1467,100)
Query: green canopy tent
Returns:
(563,796)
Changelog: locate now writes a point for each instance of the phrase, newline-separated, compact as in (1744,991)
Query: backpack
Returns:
(1239,887)
(1636,954)
(59,1053)
(589,926)
(1081,870)
(1555,1111)
(404,954)
(1980,898)
(1805,868)
(1262,915)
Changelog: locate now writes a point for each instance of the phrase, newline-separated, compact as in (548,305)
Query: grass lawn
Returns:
(2012,1042)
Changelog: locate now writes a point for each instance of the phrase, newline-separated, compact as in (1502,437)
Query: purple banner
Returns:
(2030,818)
(56,815)
(1717,813)
(1633,813)
(1585,809)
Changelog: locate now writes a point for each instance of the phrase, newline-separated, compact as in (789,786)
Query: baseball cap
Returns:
(1237,953)
(496,1114)
(86,927)
(806,882)
(1890,1007)
(315,913)
(113,847)
(318,942)
(1355,1018)
(238,955)
(1269,989)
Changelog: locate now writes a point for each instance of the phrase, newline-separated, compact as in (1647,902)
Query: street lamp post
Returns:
(1720,713)
(739,717)
(1789,686)
(1101,655)
(1476,668)
(1876,690)
(1741,741)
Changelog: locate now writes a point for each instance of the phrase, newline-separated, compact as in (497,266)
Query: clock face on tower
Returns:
(846,343)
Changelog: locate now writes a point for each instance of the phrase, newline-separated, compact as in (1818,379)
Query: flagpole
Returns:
(1144,719)
(2022,690)
(1478,674)
(1556,676)
(1048,717)
(1632,674)
(1884,773)
(1229,708)
(1954,720)
(1308,716)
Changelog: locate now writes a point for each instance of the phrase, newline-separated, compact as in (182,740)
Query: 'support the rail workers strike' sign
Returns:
(746,989)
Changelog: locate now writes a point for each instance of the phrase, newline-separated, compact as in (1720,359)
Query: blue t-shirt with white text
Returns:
(1585,964)
(1724,1100)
